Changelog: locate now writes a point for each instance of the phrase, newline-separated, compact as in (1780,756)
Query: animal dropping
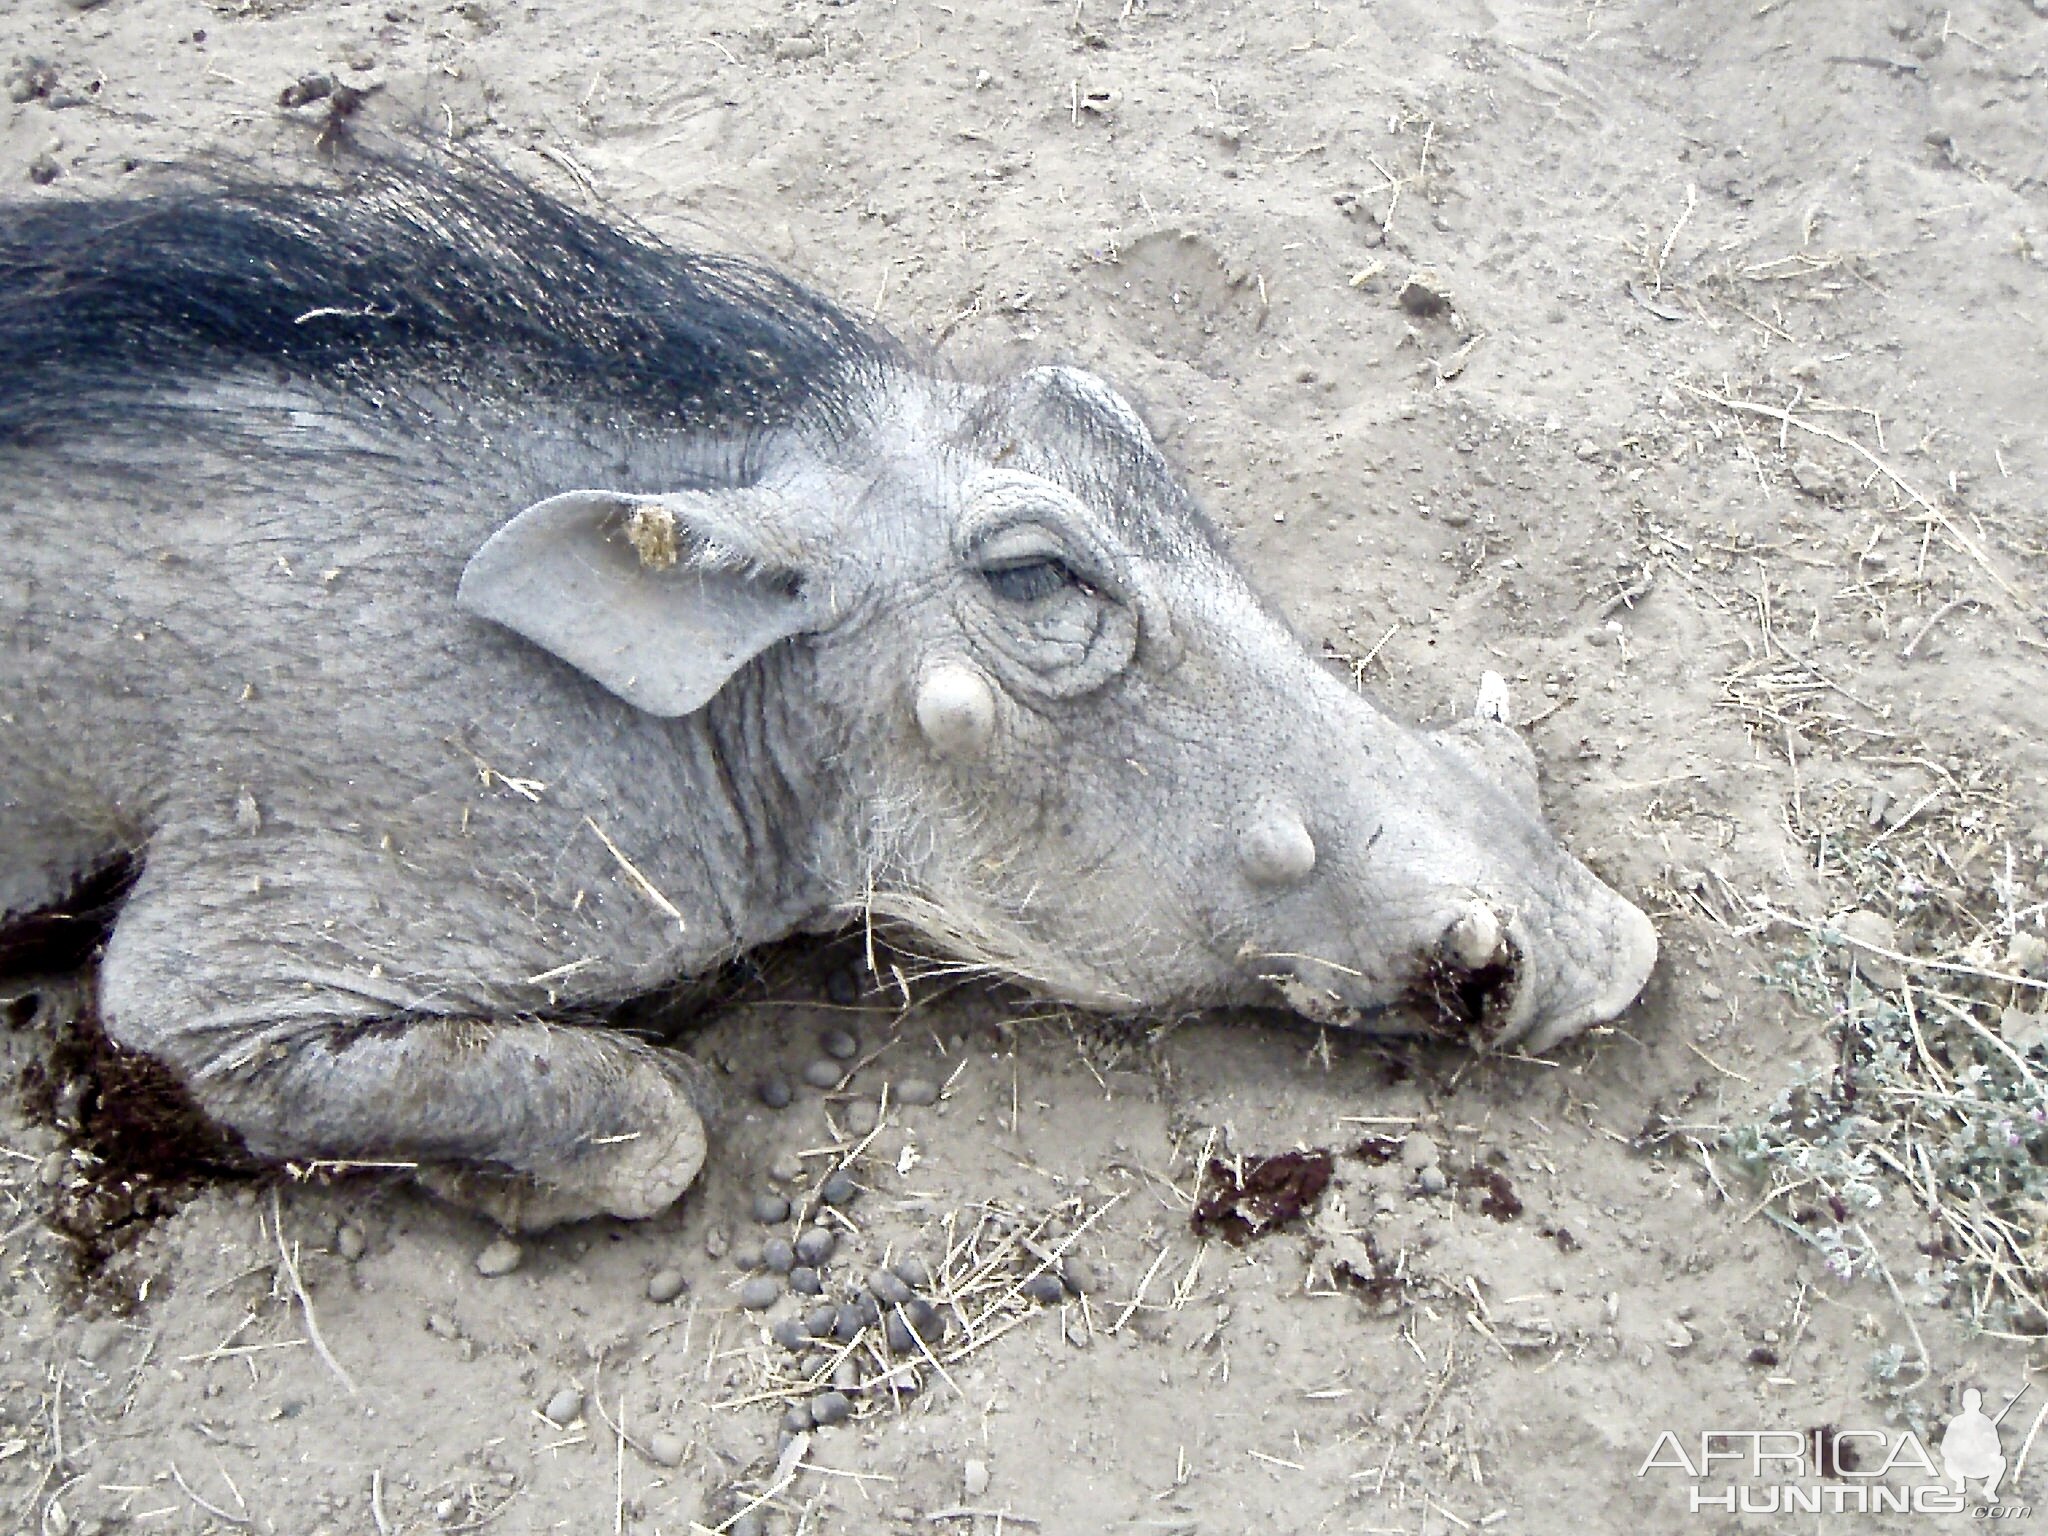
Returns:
(537,614)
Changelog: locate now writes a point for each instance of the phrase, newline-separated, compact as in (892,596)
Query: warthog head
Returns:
(1049,724)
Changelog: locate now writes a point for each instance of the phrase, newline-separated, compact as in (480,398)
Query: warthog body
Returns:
(469,615)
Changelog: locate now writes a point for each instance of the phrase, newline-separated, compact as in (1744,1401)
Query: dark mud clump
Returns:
(1497,1197)
(138,1150)
(1832,1455)
(1377,1151)
(1246,1200)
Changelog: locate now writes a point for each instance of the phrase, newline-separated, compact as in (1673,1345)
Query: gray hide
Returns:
(430,742)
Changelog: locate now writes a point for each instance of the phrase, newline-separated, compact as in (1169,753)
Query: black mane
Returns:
(457,269)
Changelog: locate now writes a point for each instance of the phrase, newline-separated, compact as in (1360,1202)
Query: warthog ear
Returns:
(659,598)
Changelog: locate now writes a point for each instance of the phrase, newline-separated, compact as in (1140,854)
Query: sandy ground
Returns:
(1688,365)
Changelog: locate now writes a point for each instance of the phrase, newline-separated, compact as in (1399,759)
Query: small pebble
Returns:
(889,1288)
(774,1091)
(97,1339)
(916,1092)
(714,1243)
(748,1524)
(791,1334)
(814,1365)
(846,1376)
(1417,1151)
(974,1478)
(1080,1276)
(748,1256)
(847,1326)
(839,1044)
(931,1324)
(787,1168)
(843,987)
(666,1285)
(913,1271)
(798,1419)
(806,1281)
(769,1209)
(839,1189)
(499,1258)
(823,1073)
(819,1320)
(829,1408)
(760,1293)
(901,1340)
(815,1244)
(348,1241)
(778,1255)
(1045,1289)
(1432,1180)
(862,1117)
(565,1407)
(667,1448)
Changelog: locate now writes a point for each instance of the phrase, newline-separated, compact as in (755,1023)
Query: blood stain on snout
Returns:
(1462,1003)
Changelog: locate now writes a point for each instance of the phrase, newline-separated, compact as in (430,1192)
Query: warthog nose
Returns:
(956,711)
(1476,938)
(1474,977)
(1275,848)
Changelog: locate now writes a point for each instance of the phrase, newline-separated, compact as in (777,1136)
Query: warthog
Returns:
(467,614)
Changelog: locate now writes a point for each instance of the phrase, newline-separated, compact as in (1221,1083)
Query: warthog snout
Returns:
(1417,890)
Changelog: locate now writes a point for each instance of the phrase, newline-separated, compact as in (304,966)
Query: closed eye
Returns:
(1030,581)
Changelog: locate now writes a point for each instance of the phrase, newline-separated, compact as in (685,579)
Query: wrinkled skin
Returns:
(1163,748)
(974,662)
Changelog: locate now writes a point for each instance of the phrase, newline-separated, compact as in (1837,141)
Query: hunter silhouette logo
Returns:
(1969,1446)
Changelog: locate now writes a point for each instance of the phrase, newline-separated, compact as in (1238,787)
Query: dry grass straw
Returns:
(1925,1096)
(992,1251)
(1934,1093)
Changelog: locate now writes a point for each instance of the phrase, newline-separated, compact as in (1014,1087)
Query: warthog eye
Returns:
(1029,581)
(1054,623)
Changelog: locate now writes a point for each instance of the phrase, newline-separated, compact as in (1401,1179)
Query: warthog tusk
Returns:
(1476,939)
(1493,701)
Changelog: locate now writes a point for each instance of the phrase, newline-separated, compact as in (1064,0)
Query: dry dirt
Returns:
(1478,324)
